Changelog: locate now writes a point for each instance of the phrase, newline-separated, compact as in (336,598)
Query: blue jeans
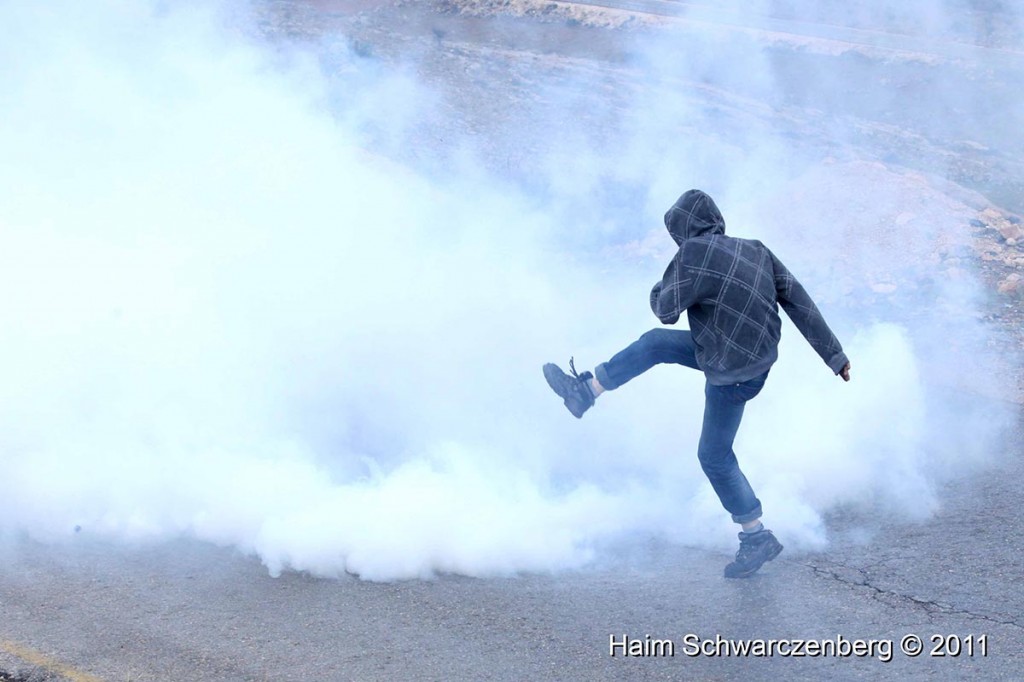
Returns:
(723,410)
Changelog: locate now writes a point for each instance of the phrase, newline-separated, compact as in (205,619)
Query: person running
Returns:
(731,290)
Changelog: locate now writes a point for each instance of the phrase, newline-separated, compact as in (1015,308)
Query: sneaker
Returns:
(573,390)
(755,549)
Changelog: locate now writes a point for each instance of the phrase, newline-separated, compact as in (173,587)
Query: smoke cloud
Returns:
(253,297)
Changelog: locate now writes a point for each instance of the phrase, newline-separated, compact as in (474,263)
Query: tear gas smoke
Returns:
(237,310)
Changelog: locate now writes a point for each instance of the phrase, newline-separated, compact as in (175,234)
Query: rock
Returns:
(1012,285)
(1010,231)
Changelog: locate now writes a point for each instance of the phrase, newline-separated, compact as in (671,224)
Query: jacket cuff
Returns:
(665,319)
(837,362)
(670,319)
(655,292)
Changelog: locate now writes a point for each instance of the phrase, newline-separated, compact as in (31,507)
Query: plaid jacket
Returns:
(731,290)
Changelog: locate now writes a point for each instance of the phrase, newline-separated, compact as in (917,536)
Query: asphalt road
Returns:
(189,611)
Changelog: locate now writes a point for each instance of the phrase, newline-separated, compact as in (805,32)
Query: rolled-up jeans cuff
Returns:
(602,378)
(751,515)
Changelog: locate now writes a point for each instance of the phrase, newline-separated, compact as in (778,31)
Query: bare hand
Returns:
(845,372)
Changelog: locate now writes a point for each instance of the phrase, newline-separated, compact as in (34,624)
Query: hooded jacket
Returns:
(731,290)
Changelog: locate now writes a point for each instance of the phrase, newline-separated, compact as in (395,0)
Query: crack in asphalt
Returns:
(931,606)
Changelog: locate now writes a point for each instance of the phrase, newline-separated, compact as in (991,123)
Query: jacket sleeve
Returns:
(797,303)
(674,293)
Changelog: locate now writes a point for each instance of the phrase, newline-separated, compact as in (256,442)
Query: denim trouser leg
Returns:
(723,410)
(655,347)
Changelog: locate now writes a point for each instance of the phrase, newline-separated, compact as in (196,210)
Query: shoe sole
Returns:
(551,374)
(755,569)
(554,376)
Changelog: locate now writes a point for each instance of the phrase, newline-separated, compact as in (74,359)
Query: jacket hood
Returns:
(694,214)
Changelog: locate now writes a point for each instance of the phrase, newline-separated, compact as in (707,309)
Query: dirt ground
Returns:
(495,61)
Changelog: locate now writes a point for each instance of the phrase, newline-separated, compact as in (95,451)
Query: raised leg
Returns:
(655,347)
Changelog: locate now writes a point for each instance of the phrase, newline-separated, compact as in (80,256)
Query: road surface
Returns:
(192,611)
